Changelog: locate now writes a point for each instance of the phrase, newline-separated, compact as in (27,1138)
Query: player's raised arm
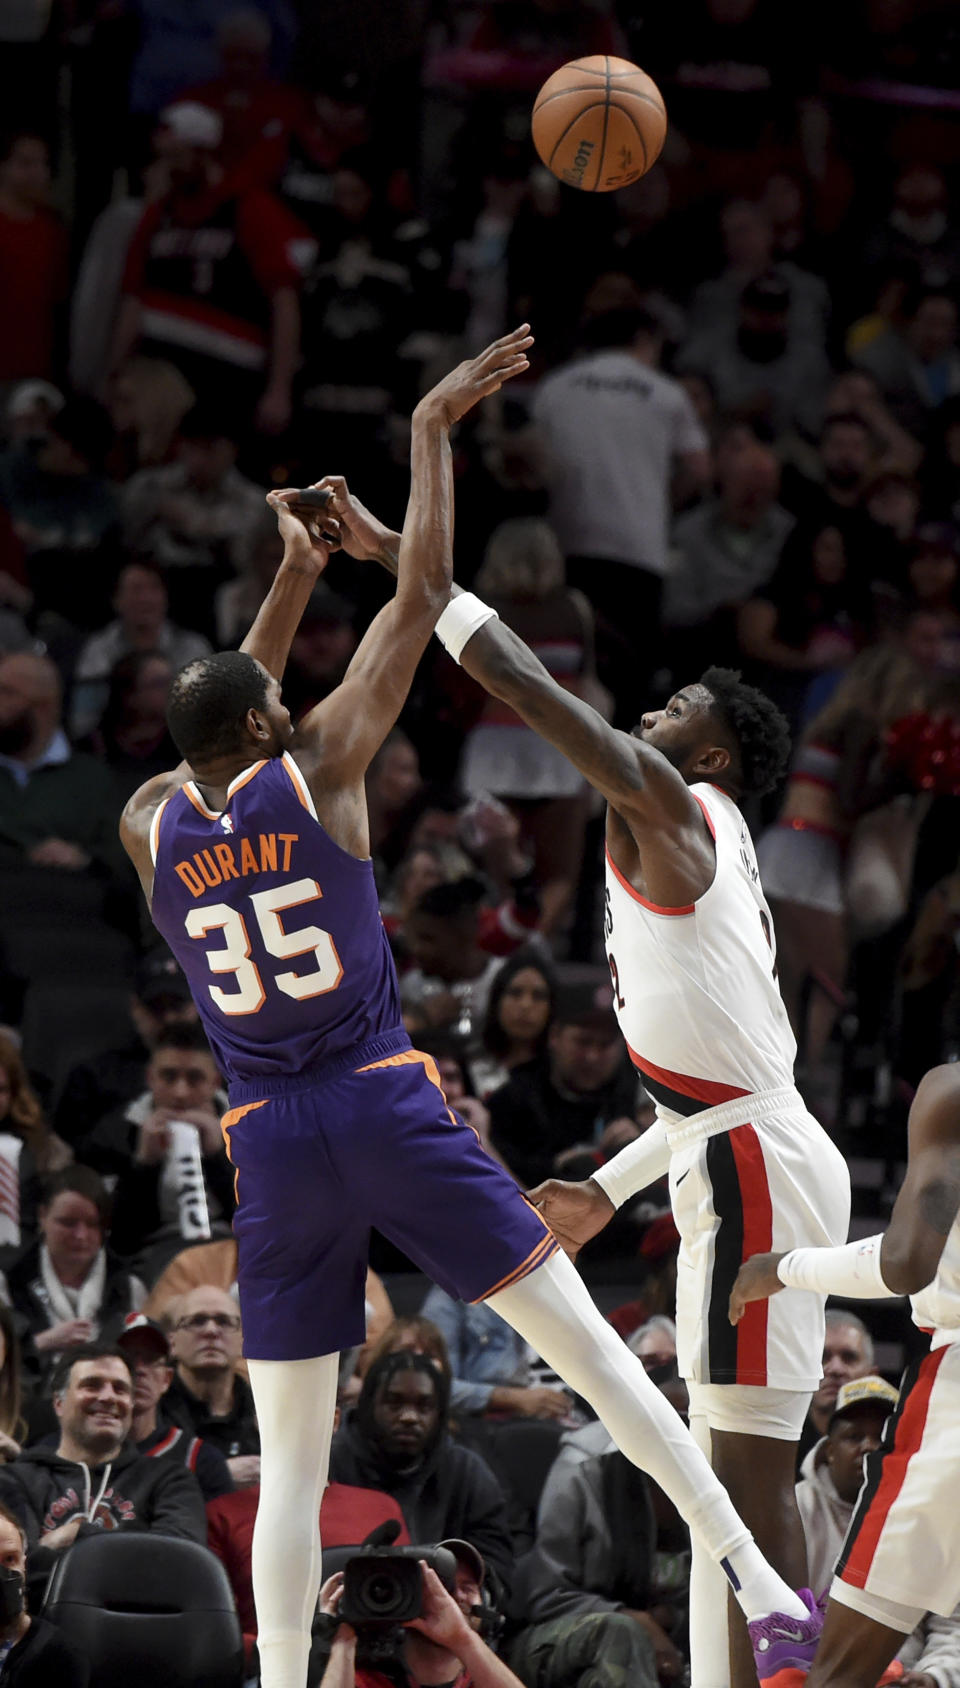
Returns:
(347,728)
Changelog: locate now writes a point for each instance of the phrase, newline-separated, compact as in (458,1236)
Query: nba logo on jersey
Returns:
(226,821)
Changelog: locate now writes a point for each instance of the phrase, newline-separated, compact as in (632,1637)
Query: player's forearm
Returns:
(425,552)
(278,618)
(639,1164)
(857,1270)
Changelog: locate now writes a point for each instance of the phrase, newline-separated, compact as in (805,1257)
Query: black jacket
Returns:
(170,1442)
(452,1493)
(531,1120)
(236,1434)
(132,1492)
(28,1298)
(137,1219)
(45,1658)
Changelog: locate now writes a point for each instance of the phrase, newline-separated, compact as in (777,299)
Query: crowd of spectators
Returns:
(236,243)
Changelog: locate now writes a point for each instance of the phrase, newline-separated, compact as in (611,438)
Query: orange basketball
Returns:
(599,123)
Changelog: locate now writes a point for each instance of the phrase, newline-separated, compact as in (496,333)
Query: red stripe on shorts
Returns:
(757,1239)
(896,1464)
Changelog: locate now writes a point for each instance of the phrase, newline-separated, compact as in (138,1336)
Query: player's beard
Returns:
(16,734)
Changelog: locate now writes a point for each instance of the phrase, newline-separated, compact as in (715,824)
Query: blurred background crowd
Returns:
(236,244)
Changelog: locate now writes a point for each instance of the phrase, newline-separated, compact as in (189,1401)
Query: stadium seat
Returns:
(66,1023)
(148,1610)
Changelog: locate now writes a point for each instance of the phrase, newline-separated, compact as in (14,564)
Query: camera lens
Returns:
(383,1593)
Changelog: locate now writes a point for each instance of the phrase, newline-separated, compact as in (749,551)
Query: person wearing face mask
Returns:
(33,1653)
(757,364)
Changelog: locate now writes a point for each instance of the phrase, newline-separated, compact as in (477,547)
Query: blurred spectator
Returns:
(65,1288)
(212,280)
(831,1475)
(523,577)
(411,1333)
(164,1150)
(517,1022)
(892,500)
(58,808)
(176,50)
(320,650)
(65,512)
(847,459)
(141,626)
(35,1653)
(725,549)
(613,429)
(132,737)
(941,468)
(748,244)
(333,121)
(257,111)
(759,363)
(146,1348)
(122,1489)
(658,1253)
(847,1354)
(29,1151)
(147,401)
(33,263)
(452,975)
(393,785)
(92,1089)
(192,518)
(655,1343)
(237,601)
(207,1396)
(917,363)
(568,1096)
(396,1439)
(933,575)
(12,1423)
(490,1362)
(917,234)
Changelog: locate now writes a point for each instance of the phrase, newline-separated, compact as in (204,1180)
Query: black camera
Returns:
(385,1585)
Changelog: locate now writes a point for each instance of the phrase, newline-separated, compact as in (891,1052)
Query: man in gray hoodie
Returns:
(93,1479)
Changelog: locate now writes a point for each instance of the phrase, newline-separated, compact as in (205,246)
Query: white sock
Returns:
(552,1310)
(295,1402)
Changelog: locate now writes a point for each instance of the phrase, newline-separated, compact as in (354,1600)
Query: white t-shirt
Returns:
(612,428)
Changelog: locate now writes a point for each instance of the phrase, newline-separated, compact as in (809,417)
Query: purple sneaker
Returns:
(783,1647)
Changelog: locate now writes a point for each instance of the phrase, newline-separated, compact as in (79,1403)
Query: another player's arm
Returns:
(342,734)
(903,1259)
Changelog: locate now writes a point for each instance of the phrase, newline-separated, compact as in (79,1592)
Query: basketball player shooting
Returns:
(255,857)
(901,1555)
(690,944)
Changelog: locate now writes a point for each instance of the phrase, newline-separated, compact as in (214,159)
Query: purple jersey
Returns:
(277,929)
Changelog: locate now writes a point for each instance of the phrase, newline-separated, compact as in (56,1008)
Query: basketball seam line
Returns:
(589,88)
(606,124)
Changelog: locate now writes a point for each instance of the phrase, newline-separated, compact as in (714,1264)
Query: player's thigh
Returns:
(861,1635)
(436,1193)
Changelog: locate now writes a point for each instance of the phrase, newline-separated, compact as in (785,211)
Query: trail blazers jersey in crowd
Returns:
(277,929)
(695,987)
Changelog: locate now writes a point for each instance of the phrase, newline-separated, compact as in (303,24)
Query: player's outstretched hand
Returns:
(756,1281)
(477,377)
(574,1212)
(308,539)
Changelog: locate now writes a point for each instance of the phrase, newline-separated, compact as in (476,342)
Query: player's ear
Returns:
(712,762)
(257,725)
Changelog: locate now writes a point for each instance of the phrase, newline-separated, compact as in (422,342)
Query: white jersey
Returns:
(937,1308)
(695,988)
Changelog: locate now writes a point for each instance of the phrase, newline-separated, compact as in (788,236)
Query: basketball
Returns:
(599,123)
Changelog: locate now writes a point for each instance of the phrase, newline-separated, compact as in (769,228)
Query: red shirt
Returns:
(33,282)
(374,1679)
(257,123)
(347,1515)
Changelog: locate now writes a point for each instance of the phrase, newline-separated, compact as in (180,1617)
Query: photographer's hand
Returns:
(441,1619)
(341,1666)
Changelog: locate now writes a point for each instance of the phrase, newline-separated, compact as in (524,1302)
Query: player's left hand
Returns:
(756,1281)
(362,534)
(308,541)
(476,378)
(441,1619)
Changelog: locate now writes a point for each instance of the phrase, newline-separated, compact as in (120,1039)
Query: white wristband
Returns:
(853,1270)
(639,1164)
(462,618)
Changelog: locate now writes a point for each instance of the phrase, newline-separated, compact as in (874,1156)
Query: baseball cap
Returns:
(864,1392)
(137,1322)
(467,1554)
(193,124)
(158,979)
(660,1238)
(587,1004)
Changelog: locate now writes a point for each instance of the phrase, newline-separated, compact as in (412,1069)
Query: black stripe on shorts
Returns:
(727,1258)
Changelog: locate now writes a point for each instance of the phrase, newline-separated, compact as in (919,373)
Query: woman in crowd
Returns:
(517,1022)
(132,735)
(12,1425)
(68,1286)
(29,1151)
(148,400)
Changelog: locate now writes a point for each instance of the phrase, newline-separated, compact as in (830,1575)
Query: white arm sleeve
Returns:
(639,1164)
(853,1270)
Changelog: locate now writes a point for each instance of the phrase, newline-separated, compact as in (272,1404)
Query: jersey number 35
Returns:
(249,994)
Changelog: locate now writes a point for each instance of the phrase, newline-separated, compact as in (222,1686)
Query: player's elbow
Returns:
(907,1266)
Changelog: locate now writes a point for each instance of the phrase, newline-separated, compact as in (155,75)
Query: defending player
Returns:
(255,857)
(691,949)
(901,1556)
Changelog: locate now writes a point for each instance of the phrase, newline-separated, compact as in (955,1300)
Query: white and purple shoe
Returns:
(784,1647)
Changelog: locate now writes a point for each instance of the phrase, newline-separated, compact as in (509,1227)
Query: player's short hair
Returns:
(760,730)
(208,703)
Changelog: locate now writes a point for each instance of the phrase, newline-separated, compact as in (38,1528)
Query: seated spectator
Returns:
(192,518)
(207,1396)
(146,1347)
(748,244)
(831,493)
(131,736)
(35,1653)
(333,121)
(160,997)
(396,1439)
(238,601)
(224,309)
(933,574)
(831,1474)
(655,1343)
(12,1423)
(58,807)
(141,627)
(444,1644)
(320,651)
(147,401)
(517,1022)
(256,110)
(33,263)
(567,1096)
(411,1333)
(452,976)
(393,786)
(941,465)
(29,1151)
(917,235)
(893,500)
(117,1487)
(165,1151)
(489,1361)
(917,363)
(658,1298)
(65,513)
(66,1287)
(725,550)
(757,364)
(847,1354)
